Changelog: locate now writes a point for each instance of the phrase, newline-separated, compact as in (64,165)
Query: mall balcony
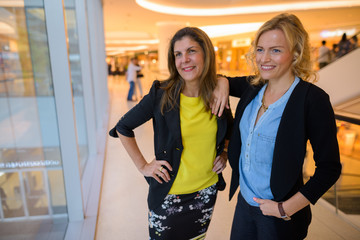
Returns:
(63,177)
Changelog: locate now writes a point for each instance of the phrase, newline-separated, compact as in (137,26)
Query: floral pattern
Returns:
(196,211)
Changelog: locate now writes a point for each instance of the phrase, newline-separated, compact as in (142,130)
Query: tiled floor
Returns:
(123,209)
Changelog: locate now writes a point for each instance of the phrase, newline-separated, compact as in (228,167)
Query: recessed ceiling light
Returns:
(134,41)
(167,9)
(231,29)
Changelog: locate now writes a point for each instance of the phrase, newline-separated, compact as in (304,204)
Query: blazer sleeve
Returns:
(138,115)
(238,85)
(321,131)
(229,121)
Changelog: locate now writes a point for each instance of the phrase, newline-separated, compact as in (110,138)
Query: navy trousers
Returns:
(250,224)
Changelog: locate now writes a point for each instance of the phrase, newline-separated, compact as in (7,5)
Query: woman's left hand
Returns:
(268,207)
(220,96)
(220,162)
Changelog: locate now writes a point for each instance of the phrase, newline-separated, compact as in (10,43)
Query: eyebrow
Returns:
(272,46)
(187,48)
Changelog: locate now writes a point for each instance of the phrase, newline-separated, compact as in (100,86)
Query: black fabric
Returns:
(181,217)
(250,223)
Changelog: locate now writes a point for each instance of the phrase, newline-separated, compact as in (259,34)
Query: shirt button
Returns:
(164,151)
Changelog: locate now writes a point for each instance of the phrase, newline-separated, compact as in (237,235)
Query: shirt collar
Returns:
(282,98)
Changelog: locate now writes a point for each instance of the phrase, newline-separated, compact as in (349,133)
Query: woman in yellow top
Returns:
(189,141)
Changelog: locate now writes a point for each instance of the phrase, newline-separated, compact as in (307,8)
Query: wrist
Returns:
(282,212)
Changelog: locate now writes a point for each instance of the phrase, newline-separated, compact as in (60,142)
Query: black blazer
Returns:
(167,137)
(308,115)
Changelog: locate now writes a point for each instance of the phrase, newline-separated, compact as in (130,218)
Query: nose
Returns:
(185,58)
(265,56)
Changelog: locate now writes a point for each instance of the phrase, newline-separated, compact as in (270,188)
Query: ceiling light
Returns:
(6,28)
(11,3)
(230,29)
(124,49)
(150,41)
(245,10)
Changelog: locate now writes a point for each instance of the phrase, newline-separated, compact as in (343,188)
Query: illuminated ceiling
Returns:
(130,27)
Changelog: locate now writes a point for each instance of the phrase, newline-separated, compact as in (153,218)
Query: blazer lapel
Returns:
(287,158)
(172,119)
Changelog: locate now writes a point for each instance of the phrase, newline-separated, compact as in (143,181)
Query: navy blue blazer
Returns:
(167,137)
(308,115)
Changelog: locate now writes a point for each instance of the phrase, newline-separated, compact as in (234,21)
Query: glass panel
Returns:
(57,193)
(10,193)
(77,85)
(29,139)
(35,193)
(40,59)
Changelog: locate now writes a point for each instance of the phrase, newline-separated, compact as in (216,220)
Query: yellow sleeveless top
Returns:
(198,134)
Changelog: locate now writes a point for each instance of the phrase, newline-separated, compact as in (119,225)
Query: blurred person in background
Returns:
(131,76)
(344,46)
(324,55)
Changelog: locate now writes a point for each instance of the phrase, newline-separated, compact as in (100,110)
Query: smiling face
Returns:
(273,56)
(189,59)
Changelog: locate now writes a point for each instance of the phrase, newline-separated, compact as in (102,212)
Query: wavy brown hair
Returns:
(298,40)
(175,83)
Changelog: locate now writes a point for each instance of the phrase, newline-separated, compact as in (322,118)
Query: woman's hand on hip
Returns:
(157,169)
(220,163)
(268,207)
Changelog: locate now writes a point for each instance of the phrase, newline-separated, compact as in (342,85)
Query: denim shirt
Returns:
(258,145)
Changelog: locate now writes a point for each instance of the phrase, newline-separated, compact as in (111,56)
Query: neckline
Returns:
(281,99)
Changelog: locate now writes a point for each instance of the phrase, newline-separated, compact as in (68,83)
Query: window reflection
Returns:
(36,197)
(31,176)
(77,84)
(11,199)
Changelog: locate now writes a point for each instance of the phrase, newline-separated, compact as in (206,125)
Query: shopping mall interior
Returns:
(63,86)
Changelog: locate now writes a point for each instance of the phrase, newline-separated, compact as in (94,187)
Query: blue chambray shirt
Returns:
(258,143)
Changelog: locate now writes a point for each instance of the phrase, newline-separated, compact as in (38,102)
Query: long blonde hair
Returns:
(298,40)
(175,83)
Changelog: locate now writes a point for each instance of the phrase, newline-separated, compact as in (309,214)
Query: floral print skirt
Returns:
(183,217)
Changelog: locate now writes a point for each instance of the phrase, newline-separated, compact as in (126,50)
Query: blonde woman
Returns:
(279,111)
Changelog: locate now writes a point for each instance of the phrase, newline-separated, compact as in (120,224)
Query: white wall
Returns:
(341,79)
